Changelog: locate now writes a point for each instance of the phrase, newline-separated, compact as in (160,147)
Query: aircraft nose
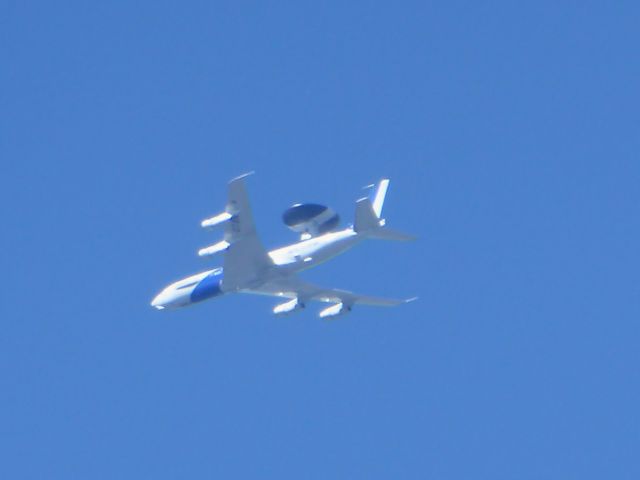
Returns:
(157,302)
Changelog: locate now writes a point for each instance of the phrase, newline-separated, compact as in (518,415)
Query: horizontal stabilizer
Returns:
(389,234)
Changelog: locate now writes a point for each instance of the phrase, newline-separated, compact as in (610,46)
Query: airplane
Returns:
(249,268)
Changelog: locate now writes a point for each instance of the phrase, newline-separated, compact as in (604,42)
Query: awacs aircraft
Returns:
(249,268)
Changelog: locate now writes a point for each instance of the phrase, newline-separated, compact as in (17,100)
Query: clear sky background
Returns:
(511,134)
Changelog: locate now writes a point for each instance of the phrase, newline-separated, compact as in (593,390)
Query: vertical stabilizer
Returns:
(377,199)
(368,219)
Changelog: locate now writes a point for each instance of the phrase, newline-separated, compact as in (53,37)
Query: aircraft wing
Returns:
(294,287)
(245,259)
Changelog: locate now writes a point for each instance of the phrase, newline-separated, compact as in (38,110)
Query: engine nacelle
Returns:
(213,249)
(288,307)
(335,310)
(217,220)
(310,219)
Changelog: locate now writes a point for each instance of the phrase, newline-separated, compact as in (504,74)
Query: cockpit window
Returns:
(186,285)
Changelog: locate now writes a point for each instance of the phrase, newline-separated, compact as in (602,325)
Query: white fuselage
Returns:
(313,251)
(287,260)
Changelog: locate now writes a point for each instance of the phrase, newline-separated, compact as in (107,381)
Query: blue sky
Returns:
(511,134)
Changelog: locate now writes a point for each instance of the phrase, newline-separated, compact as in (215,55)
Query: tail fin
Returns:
(366,218)
(368,212)
(377,198)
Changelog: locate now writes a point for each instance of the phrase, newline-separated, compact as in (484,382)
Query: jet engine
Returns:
(335,310)
(310,219)
(288,307)
(217,220)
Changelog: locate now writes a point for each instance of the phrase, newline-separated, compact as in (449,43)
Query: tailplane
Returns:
(389,234)
(368,219)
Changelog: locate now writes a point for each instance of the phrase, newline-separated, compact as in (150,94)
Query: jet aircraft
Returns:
(249,268)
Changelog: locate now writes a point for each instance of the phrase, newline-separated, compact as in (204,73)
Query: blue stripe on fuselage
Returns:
(208,287)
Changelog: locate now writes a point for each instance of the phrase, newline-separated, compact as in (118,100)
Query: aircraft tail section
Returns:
(377,198)
(365,219)
(368,219)
(389,234)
